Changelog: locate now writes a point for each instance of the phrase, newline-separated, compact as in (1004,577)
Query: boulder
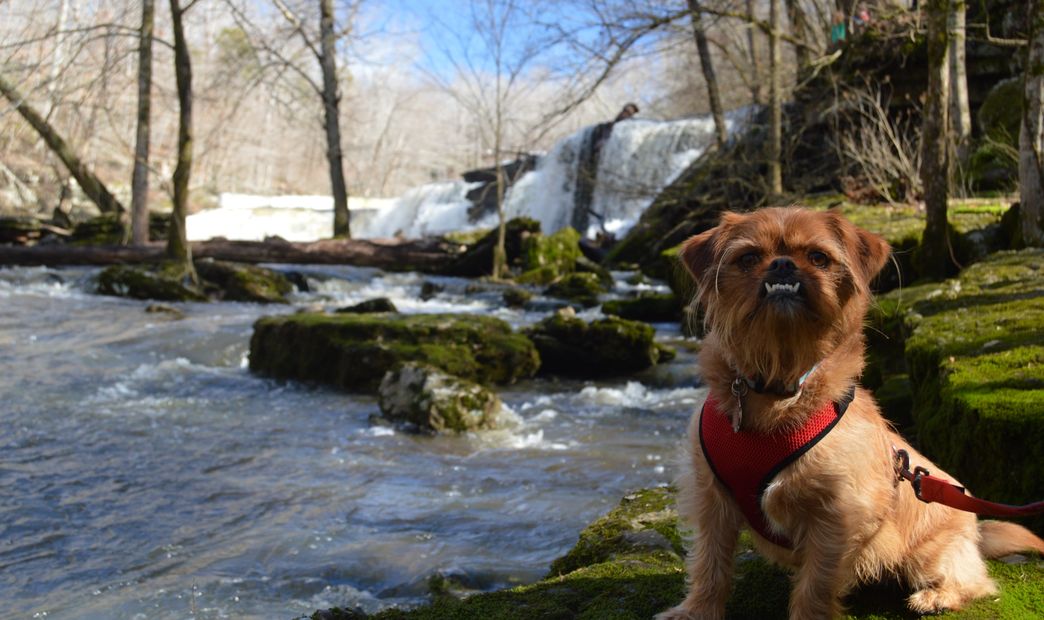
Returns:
(422,397)
(583,288)
(548,257)
(225,281)
(354,351)
(430,289)
(377,304)
(517,297)
(161,282)
(649,308)
(605,347)
(477,259)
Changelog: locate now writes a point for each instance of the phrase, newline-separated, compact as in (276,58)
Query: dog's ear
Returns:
(697,253)
(873,253)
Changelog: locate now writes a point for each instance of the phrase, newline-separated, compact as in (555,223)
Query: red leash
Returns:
(929,489)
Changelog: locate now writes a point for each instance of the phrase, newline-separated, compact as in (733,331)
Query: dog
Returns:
(784,293)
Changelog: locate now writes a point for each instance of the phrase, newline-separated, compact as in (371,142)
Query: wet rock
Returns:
(649,308)
(298,279)
(170,311)
(583,288)
(605,347)
(421,397)
(377,304)
(162,282)
(354,351)
(546,258)
(430,289)
(225,281)
(516,297)
(477,259)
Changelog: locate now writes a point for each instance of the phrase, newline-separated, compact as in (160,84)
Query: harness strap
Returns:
(932,489)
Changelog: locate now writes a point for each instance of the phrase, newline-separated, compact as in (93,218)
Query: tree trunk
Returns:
(178,248)
(140,177)
(799,28)
(935,160)
(755,70)
(331,111)
(959,110)
(1031,135)
(90,184)
(707,64)
(775,145)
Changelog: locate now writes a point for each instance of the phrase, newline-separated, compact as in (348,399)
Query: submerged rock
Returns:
(650,308)
(162,282)
(516,297)
(422,397)
(605,347)
(582,288)
(354,351)
(377,304)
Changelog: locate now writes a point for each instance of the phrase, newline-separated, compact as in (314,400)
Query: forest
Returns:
(377,308)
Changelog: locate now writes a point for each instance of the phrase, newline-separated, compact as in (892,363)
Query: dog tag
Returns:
(739,390)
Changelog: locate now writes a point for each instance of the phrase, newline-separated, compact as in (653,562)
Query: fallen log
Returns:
(433,255)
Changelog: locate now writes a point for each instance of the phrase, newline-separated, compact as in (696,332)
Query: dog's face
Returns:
(781,287)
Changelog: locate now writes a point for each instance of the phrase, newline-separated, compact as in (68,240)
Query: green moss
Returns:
(605,347)
(162,282)
(516,297)
(1000,114)
(582,288)
(553,254)
(650,308)
(353,351)
(107,230)
(425,399)
(241,282)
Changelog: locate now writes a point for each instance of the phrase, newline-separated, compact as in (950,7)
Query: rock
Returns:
(546,258)
(225,281)
(171,311)
(422,397)
(162,282)
(19,230)
(354,351)
(106,229)
(649,308)
(430,289)
(477,259)
(605,347)
(586,265)
(378,304)
(516,297)
(582,288)
(299,280)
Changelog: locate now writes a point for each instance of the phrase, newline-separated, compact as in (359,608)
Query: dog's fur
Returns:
(840,504)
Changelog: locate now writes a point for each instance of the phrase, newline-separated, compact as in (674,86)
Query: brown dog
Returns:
(784,293)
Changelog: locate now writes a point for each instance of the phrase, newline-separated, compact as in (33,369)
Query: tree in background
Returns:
(140,178)
(707,65)
(1031,134)
(960,111)
(178,248)
(935,159)
(775,142)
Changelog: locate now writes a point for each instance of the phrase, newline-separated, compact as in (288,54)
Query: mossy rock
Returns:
(649,308)
(377,304)
(107,230)
(225,281)
(555,254)
(974,349)
(1000,115)
(583,288)
(586,265)
(162,282)
(605,347)
(421,397)
(19,230)
(477,259)
(608,576)
(516,297)
(354,351)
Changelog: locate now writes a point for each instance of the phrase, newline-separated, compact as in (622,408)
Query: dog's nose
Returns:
(782,265)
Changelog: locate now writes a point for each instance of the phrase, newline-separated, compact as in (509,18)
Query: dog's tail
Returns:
(999,538)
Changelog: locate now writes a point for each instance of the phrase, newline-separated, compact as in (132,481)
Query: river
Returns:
(145,473)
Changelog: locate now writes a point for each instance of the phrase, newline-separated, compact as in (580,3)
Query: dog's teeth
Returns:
(796,286)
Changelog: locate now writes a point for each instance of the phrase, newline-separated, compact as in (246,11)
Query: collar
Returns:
(758,384)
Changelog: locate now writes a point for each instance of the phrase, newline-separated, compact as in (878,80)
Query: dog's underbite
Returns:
(789,446)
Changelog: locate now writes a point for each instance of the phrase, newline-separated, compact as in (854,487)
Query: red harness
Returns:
(746,462)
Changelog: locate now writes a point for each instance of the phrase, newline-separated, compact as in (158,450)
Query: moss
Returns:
(353,351)
(582,288)
(1000,114)
(377,304)
(422,397)
(107,230)
(240,282)
(555,254)
(162,282)
(649,308)
(19,230)
(974,348)
(605,347)
(606,576)
(516,297)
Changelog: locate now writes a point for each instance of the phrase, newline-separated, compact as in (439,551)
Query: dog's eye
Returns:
(818,259)
(749,260)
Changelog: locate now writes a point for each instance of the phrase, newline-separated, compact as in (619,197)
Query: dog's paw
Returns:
(935,600)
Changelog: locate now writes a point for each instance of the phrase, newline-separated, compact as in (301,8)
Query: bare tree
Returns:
(707,65)
(752,50)
(960,111)
(1031,134)
(140,177)
(935,160)
(775,142)
(178,248)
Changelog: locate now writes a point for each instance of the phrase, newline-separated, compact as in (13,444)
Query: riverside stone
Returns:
(649,308)
(424,398)
(218,280)
(583,288)
(605,347)
(354,351)
(377,304)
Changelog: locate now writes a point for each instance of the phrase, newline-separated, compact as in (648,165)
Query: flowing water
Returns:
(145,473)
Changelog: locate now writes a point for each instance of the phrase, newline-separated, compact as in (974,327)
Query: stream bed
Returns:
(145,473)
